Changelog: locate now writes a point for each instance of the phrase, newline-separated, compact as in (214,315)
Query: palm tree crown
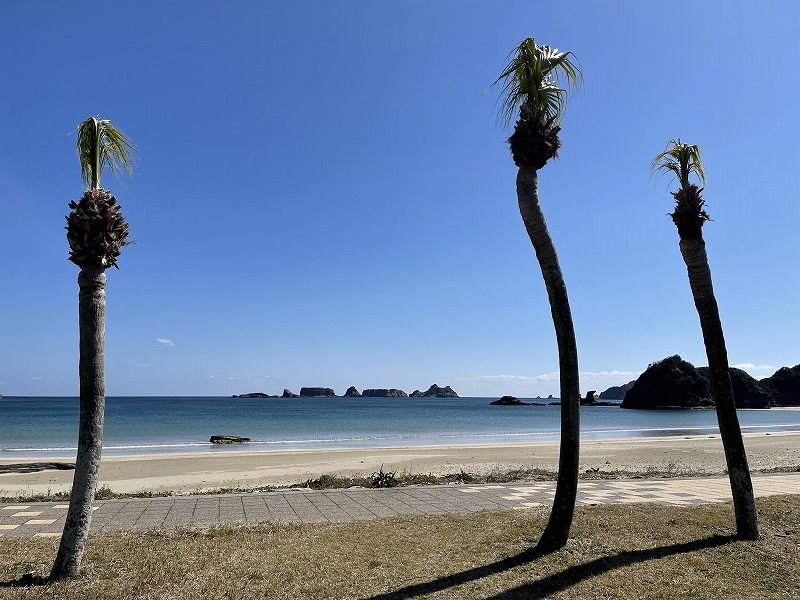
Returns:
(532,77)
(101,144)
(531,84)
(680,159)
(96,229)
(683,160)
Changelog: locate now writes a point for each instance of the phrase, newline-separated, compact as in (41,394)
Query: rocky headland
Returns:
(784,385)
(616,392)
(676,383)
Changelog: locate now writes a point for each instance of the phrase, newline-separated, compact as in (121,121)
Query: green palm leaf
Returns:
(100,144)
(680,159)
(532,76)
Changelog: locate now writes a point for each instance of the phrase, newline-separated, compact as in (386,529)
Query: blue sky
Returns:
(324,197)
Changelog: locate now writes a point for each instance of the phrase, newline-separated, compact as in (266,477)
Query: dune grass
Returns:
(383,478)
(616,551)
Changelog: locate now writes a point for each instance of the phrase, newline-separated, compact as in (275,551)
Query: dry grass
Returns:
(617,551)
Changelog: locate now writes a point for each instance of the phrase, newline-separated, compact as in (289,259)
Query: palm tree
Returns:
(689,216)
(531,90)
(96,231)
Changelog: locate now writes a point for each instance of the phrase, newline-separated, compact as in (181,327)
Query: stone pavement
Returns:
(46,519)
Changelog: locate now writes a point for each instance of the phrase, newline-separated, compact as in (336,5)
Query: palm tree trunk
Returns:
(557,531)
(744,505)
(91,315)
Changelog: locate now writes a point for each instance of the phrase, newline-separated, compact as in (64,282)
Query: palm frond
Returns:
(534,75)
(680,159)
(101,144)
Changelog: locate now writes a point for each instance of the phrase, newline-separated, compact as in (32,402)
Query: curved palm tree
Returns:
(683,160)
(96,231)
(531,90)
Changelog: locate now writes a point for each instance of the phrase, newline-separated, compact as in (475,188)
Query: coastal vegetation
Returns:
(646,551)
(96,231)
(532,93)
(334,481)
(683,161)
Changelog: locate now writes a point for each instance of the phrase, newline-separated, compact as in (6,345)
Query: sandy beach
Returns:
(242,468)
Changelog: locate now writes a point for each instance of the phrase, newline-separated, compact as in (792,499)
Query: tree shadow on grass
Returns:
(557,581)
(26,580)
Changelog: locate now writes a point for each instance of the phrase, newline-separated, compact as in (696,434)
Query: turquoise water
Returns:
(137,425)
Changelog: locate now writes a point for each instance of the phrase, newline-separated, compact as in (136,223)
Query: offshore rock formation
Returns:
(288,394)
(591,400)
(383,393)
(784,385)
(435,392)
(253,395)
(352,392)
(676,383)
(509,401)
(317,392)
(616,392)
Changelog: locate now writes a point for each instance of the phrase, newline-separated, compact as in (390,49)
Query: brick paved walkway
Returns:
(46,519)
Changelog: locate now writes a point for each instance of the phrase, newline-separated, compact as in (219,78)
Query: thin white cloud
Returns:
(556,376)
(751,366)
(165,342)
(501,378)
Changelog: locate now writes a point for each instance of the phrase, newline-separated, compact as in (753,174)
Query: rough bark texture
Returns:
(91,315)
(694,254)
(557,531)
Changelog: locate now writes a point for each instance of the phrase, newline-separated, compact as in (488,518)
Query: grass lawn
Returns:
(616,551)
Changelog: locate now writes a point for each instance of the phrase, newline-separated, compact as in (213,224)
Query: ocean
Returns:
(38,427)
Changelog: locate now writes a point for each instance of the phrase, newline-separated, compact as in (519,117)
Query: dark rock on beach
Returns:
(383,393)
(36,467)
(228,439)
(288,394)
(317,392)
(352,392)
(509,401)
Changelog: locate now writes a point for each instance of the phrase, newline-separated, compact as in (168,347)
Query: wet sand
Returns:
(236,468)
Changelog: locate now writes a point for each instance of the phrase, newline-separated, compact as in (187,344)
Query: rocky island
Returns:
(435,392)
(383,393)
(317,392)
(509,401)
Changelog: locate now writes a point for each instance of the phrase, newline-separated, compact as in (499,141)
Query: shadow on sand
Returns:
(557,581)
